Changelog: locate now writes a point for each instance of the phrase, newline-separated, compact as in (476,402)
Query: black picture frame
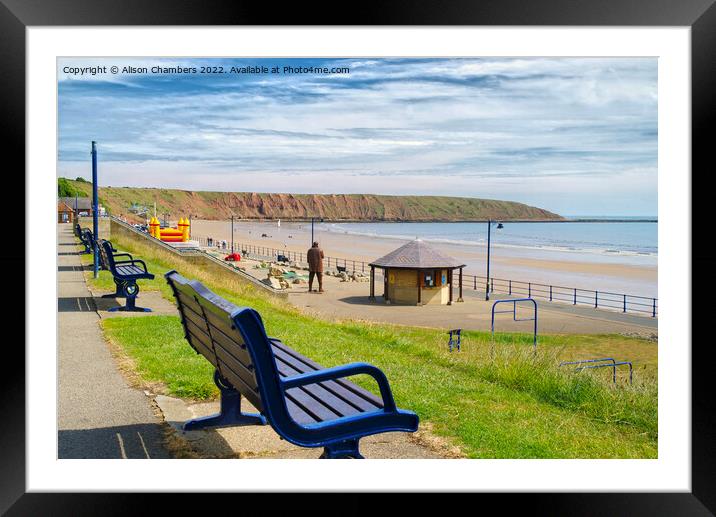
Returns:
(700,15)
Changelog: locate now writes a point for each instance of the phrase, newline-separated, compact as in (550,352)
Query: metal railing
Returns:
(626,303)
(606,362)
(571,295)
(268,253)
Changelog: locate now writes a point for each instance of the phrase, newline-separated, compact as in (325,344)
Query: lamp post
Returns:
(95,223)
(232,233)
(487,280)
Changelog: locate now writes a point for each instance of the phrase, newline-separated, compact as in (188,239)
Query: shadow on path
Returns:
(365,300)
(85,304)
(139,441)
(73,268)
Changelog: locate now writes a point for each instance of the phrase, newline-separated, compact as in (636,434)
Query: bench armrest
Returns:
(338,372)
(115,255)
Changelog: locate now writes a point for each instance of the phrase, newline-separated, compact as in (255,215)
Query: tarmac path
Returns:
(99,415)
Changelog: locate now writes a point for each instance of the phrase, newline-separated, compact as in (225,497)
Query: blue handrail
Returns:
(613,365)
(604,359)
(620,363)
(514,315)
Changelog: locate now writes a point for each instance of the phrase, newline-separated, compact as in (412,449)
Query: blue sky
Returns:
(574,135)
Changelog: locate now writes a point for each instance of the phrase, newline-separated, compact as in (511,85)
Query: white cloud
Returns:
(548,130)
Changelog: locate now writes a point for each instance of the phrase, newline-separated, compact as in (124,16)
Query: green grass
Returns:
(494,400)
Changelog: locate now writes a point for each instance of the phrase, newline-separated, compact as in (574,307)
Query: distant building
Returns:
(417,274)
(65,213)
(82,206)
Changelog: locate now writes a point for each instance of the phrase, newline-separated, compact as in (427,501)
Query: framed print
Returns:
(452,180)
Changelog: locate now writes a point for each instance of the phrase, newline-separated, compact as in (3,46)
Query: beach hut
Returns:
(417,274)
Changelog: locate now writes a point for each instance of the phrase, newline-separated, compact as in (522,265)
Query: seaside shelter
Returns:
(417,274)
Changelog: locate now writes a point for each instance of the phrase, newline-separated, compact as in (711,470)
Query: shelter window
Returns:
(429,279)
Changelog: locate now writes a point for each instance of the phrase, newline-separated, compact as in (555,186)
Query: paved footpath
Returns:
(99,415)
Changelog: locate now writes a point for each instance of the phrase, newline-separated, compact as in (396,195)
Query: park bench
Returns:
(306,404)
(282,258)
(125,274)
(341,269)
(78,230)
(104,264)
(87,239)
(103,260)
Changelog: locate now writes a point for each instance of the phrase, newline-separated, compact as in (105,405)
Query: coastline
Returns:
(569,269)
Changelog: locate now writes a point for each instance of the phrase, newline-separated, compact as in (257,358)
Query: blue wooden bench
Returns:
(87,239)
(306,404)
(105,265)
(125,274)
(103,260)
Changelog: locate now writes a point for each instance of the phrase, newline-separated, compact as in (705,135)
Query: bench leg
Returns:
(341,450)
(119,293)
(229,414)
(130,292)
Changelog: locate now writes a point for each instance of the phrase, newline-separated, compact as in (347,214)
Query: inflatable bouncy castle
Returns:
(178,234)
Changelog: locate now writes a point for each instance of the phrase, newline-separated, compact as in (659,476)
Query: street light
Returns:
(232,233)
(487,280)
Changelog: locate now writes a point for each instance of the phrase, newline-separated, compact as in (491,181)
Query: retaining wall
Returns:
(194,260)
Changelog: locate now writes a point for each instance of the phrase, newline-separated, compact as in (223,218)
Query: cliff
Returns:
(332,207)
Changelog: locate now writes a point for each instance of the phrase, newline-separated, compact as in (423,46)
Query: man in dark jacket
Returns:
(315,267)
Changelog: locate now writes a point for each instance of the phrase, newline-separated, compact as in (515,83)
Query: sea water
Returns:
(632,242)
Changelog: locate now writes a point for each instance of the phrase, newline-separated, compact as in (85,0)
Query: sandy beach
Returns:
(518,264)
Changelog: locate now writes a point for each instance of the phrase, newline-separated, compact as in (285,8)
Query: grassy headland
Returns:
(332,207)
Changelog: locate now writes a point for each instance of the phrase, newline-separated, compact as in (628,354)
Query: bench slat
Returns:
(239,353)
(351,392)
(238,383)
(200,343)
(336,403)
(193,316)
(298,414)
(246,374)
(129,270)
(310,405)
(227,360)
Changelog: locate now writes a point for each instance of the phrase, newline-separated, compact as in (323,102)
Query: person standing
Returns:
(315,267)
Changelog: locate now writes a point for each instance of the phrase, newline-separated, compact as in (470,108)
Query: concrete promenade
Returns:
(350,300)
(99,415)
